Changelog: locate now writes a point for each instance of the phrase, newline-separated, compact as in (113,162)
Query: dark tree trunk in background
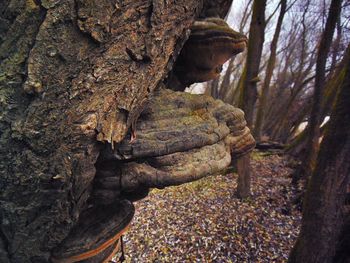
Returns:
(212,88)
(297,146)
(268,74)
(323,217)
(249,91)
(315,121)
(73,73)
(244,171)
(343,249)
(247,85)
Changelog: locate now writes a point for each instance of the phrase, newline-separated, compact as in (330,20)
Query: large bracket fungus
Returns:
(180,138)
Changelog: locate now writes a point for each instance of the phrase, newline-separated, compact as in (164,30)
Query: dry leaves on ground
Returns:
(203,221)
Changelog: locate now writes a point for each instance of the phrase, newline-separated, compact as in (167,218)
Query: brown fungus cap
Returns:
(212,42)
(96,233)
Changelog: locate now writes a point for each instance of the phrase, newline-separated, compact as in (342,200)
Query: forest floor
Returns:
(203,221)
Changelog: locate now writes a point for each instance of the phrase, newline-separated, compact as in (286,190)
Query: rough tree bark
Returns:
(72,71)
(323,216)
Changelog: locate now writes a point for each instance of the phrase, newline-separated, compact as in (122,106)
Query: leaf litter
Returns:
(203,221)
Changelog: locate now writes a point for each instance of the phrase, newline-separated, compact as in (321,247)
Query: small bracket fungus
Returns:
(211,43)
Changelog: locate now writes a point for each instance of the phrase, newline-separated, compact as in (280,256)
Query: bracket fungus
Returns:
(211,43)
(97,234)
(181,137)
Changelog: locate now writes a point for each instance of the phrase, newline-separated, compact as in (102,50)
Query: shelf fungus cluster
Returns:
(180,137)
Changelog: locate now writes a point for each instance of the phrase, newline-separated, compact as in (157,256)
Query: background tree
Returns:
(323,213)
(315,116)
(269,72)
(248,88)
(255,45)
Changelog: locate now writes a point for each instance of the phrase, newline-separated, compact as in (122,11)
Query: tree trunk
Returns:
(244,171)
(247,85)
(255,45)
(73,75)
(315,117)
(298,144)
(343,249)
(325,198)
(225,84)
(268,74)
